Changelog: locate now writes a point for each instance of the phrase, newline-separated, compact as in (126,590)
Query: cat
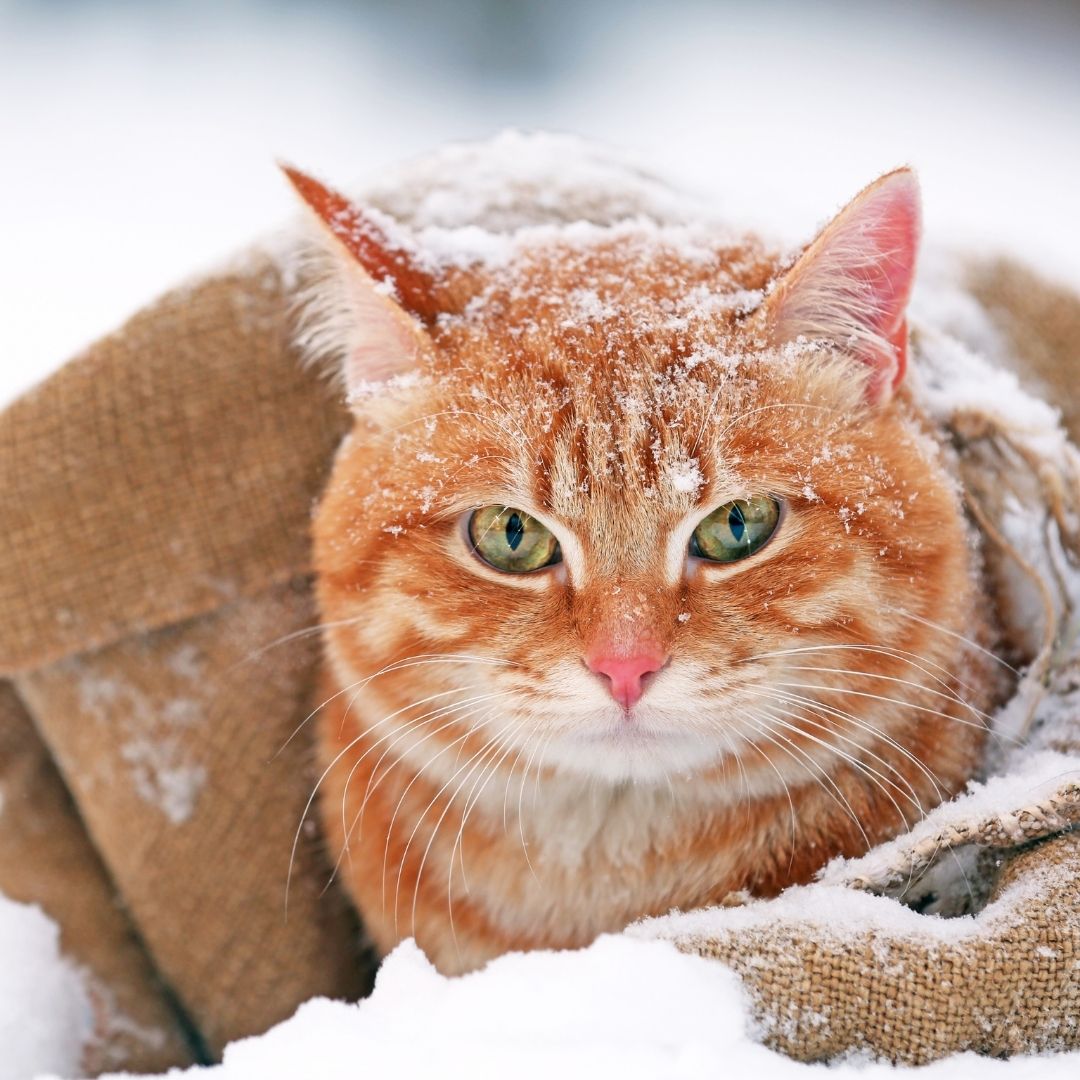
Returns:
(642,579)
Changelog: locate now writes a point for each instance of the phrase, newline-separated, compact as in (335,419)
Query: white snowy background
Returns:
(136,148)
(137,141)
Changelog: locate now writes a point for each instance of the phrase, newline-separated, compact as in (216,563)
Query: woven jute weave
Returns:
(1008,984)
(155,666)
(154,501)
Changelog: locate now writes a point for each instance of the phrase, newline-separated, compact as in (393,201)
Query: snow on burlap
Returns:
(45,1012)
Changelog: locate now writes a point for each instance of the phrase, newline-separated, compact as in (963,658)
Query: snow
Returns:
(1033,781)
(685,476)
(638,1010)
(153,747)
(622,1007)
(45,1011)
(457,189)
(822,912)
(772,119)
(778,116)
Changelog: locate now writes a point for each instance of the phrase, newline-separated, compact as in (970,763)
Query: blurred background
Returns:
(138,140)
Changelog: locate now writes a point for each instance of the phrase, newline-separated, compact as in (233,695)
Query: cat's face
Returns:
(607,515)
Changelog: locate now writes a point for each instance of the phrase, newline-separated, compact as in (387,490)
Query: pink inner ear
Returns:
(853,283)
(899,343)
(893,234)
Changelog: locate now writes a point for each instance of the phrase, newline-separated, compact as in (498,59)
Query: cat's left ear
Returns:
(852,284)
(383,296)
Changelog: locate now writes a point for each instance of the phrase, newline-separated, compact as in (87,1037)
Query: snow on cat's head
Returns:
(623,499)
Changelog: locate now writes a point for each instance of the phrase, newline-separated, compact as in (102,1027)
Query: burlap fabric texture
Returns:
(154,590)
(154,500)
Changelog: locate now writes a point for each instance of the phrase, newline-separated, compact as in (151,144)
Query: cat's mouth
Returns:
(630,734)
(636,746)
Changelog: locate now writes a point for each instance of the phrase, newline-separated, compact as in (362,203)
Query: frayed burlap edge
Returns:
(1004,982)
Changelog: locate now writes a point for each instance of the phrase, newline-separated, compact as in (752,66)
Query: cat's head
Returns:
(641,500)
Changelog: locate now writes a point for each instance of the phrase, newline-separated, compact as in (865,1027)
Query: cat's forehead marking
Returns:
(625,479)
(636,284)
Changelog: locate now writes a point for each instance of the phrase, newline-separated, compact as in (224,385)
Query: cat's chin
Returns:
(622,752)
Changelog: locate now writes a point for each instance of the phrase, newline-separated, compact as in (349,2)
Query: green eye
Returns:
(511,540)
(736,529)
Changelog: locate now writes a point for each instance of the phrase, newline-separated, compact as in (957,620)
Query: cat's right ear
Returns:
(382,296)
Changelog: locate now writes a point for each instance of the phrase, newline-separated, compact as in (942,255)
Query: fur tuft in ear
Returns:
(353,312)
(852,284)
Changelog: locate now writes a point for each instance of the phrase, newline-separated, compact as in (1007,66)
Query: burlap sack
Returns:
(154,500)
(1006,982)
(47,858)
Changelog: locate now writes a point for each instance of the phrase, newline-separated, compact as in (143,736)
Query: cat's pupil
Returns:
(736,523)
(515,530)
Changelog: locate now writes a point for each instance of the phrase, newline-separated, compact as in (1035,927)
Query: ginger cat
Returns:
(642,579)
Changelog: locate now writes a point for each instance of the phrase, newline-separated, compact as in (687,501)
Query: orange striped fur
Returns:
(482,790)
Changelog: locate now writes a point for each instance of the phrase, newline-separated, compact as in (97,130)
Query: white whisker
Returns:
(879,697)
(879,779)
(877,733)
(471,764)
(953,634)
(912,659)
(836,794)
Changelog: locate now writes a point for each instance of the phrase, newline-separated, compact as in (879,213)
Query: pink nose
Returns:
(625,673)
